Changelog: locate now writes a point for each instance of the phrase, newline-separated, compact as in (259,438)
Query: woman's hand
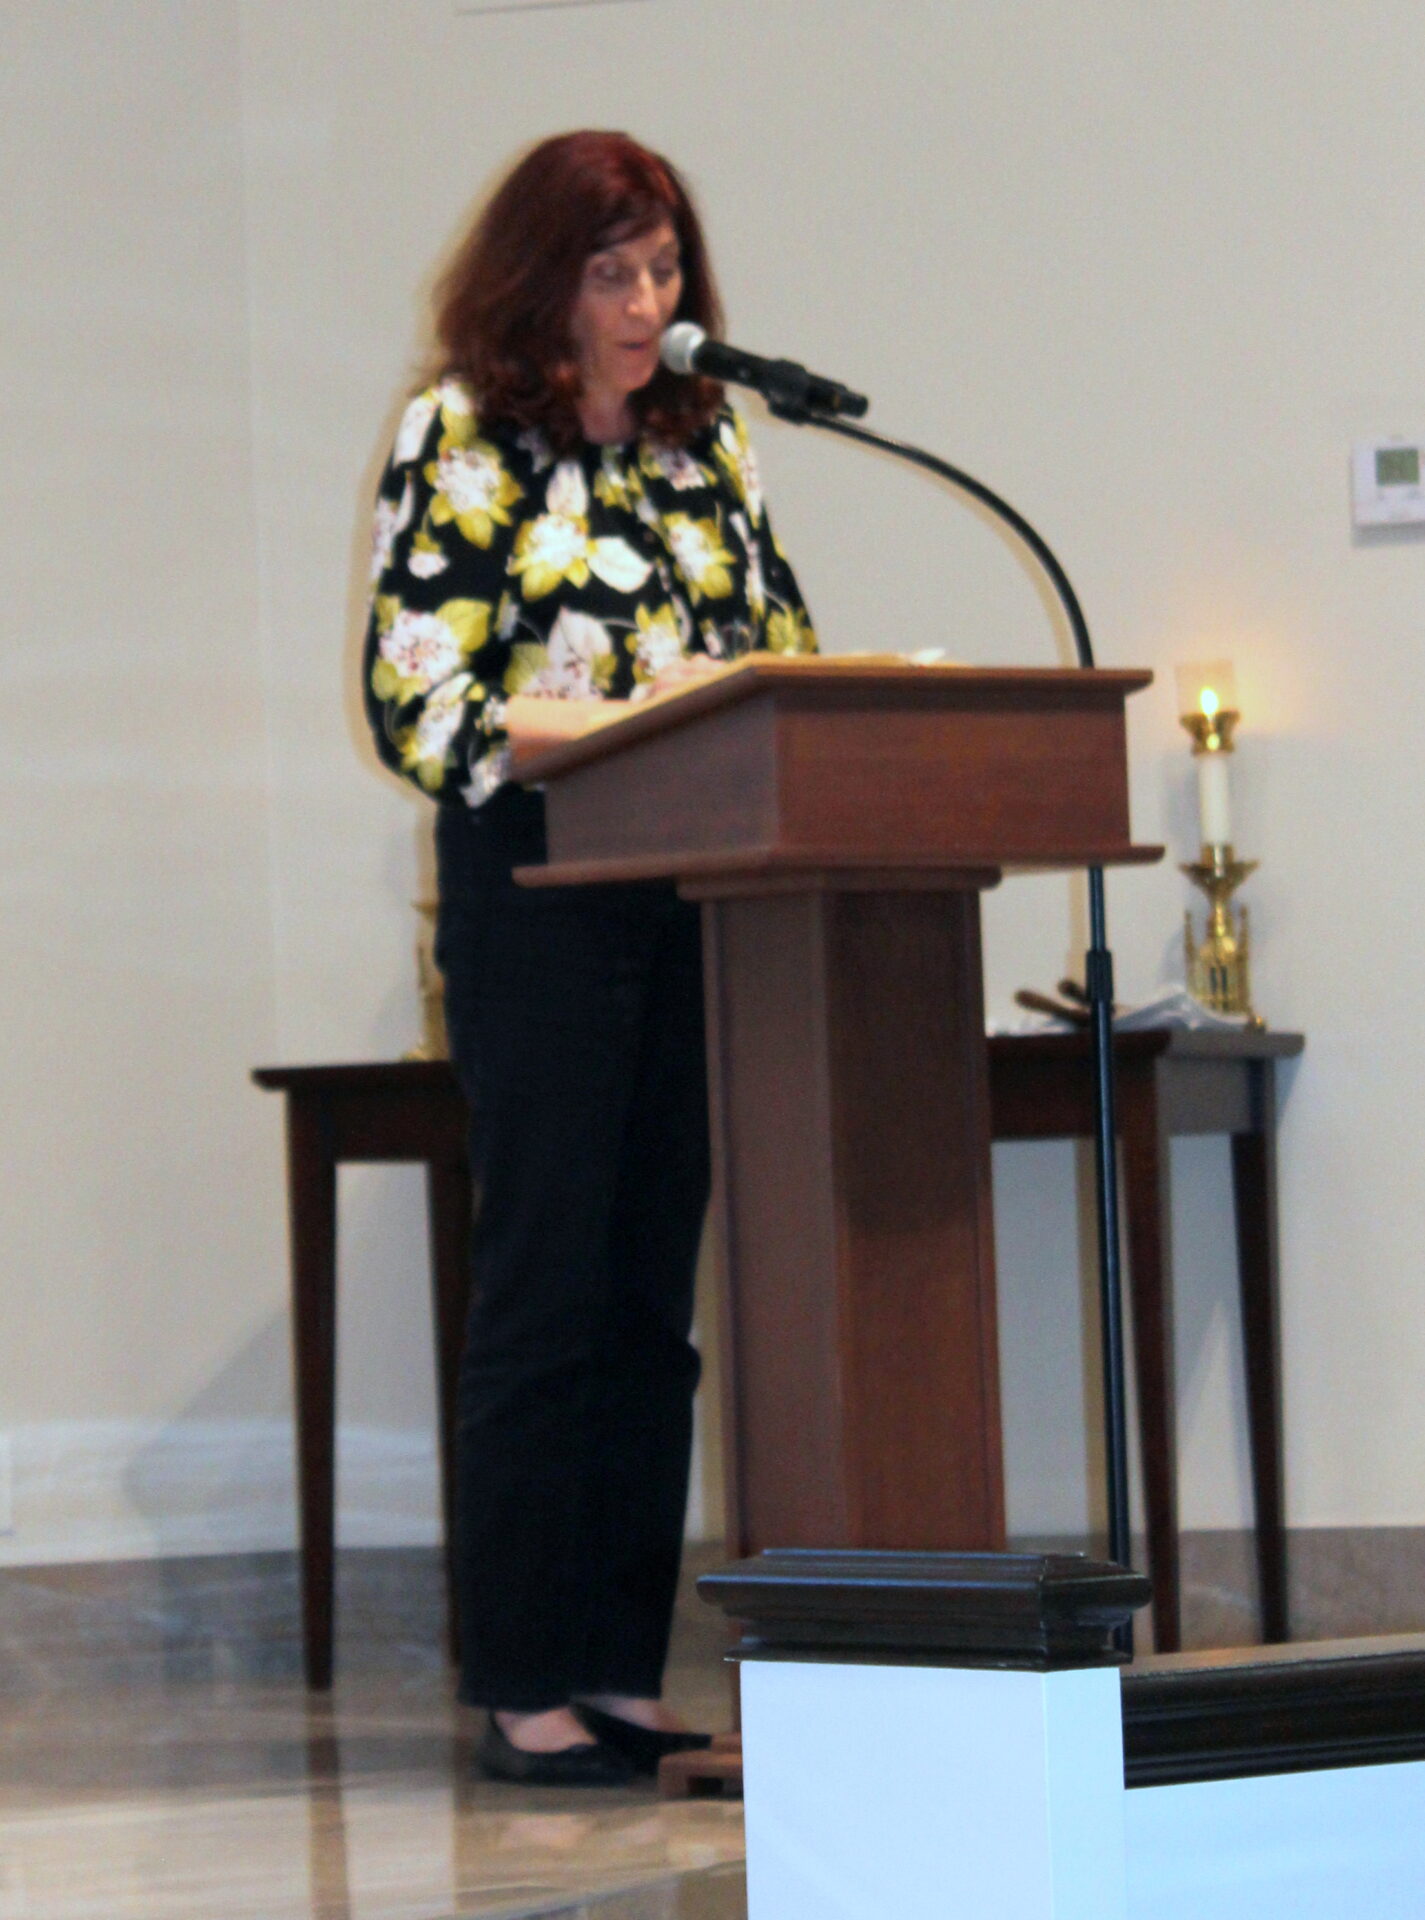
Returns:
(686,672)
(535,721)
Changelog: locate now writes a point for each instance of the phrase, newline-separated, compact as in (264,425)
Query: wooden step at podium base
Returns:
(710,1773)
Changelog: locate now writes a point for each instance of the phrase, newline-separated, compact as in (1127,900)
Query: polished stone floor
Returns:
(160,1757)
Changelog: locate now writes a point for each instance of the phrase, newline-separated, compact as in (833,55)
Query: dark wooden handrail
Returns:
(1230,1714)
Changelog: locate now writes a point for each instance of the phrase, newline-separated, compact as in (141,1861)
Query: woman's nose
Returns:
(643,296)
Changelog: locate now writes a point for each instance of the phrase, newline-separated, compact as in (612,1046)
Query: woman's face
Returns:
(627,297)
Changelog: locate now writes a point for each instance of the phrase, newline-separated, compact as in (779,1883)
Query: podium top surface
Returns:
(870,679)
(928,775)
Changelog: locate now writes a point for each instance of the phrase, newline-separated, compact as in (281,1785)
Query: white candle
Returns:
(1214,799)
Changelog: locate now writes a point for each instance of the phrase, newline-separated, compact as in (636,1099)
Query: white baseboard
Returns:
(138,1490)
(149,1490)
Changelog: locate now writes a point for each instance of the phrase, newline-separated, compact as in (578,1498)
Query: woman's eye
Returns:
(614,276)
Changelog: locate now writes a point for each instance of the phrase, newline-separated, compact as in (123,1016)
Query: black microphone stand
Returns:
(795,406)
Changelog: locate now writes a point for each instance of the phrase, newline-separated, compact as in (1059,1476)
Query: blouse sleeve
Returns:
(774,599)
(789,628)
(443,532)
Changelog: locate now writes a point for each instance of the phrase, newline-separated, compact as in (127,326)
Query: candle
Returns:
(1207,706)
(1214,799)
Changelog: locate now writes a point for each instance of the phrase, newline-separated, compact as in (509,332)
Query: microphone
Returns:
(789,390)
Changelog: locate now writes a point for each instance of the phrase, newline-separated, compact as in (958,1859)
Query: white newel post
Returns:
(931,1736)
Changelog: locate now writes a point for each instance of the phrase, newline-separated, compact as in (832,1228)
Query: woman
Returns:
(565,528)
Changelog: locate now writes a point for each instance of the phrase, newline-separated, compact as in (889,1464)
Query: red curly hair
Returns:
(503,307)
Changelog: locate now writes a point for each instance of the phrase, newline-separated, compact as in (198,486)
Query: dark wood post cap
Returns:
(1035,1611)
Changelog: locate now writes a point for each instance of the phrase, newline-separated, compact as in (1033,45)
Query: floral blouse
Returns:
(498,570)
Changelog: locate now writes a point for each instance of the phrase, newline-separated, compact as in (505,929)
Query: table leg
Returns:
(1254,1185)
(449,1206)
(1143,1132)
(311,1201)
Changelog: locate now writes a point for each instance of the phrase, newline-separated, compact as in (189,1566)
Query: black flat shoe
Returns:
(591,1765)
(642,1747)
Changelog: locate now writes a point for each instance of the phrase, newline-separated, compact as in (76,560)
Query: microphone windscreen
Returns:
(679,344)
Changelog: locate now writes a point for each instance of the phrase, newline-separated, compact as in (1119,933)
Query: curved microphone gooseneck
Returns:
(1099,979)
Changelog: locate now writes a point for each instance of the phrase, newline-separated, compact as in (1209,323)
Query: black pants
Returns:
(576,1027)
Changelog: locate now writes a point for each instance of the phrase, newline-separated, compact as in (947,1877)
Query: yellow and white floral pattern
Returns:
(391,517)
(472,487)
(417,651)
(675,465)
(425,746)
(733,453)
(557,547)
(657,642)
(575,663)
(790,631)
(500,568)
(703,560)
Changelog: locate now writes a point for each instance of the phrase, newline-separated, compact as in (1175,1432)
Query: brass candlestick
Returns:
(434,1043)
(1219,967)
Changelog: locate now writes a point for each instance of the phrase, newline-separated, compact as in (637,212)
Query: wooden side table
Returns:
(1170,1083)
(390,1110)
(1174,1082)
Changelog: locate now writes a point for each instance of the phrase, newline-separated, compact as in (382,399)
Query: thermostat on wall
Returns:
(1388,482)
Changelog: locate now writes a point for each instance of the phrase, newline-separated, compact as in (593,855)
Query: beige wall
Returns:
(139,1260)
(1148,270)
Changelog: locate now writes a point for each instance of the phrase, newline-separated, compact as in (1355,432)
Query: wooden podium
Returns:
(838,819)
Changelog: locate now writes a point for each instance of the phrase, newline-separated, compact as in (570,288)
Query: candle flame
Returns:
(1207,693)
